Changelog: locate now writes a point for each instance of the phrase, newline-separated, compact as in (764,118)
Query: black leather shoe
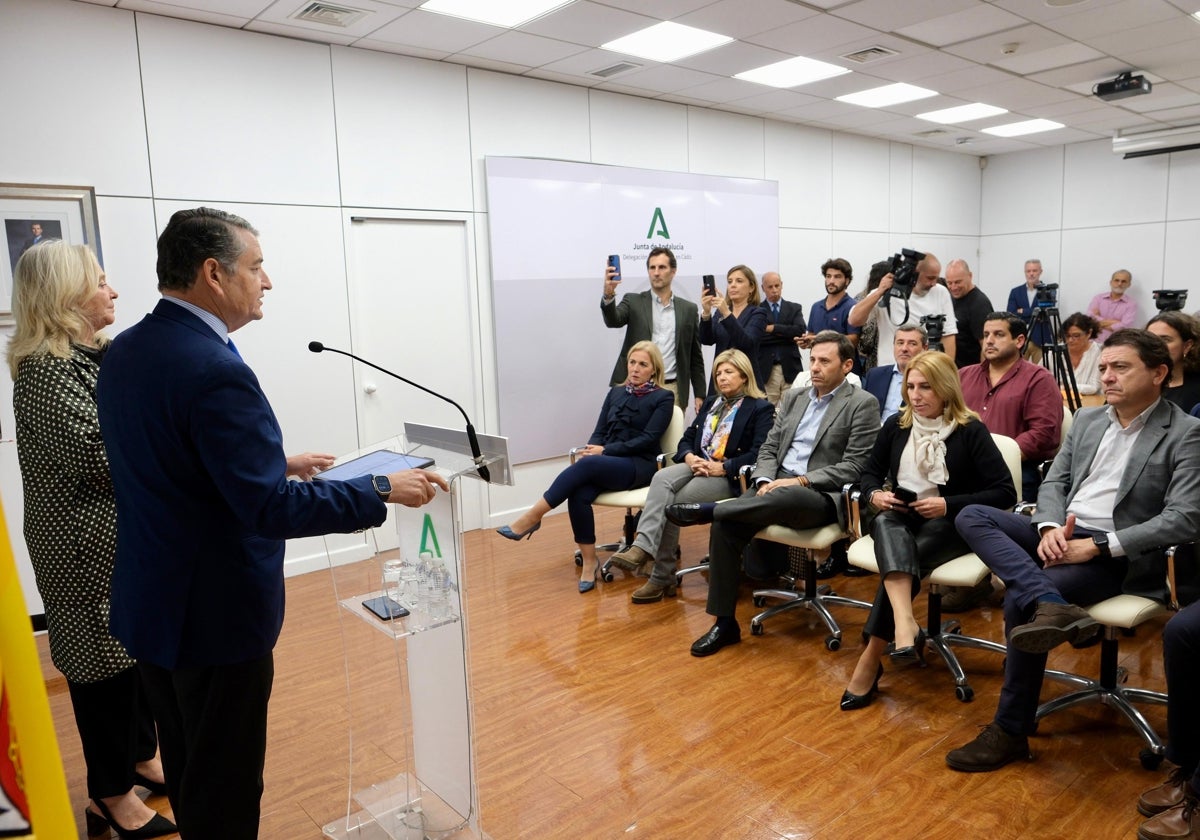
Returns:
(851,702)
(690,514)
(912,654)
(715,639)
(991,750)
(835,565)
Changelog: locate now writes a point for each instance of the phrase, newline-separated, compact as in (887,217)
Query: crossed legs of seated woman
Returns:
(907,547)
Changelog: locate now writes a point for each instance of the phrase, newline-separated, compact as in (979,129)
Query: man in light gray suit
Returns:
(1125,485)
(820,440)
(663,317)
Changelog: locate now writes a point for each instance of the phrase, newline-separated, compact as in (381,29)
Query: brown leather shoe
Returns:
(630,558)
(1052,625)
(1163,796)
(991,750)
(1179,823)
(651,592)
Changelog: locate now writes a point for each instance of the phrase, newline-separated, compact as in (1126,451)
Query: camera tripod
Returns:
(1054,354)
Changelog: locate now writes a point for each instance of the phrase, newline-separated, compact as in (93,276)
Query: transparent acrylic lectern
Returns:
(412,755)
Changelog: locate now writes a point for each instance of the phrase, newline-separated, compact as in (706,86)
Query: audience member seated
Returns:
(739,323)
(1126,483)
(1114,310)
(929,462)
(1173,805)
(1079,332)
(886,382)
(819,442)
(619,455)
(1181,332)
(1015,397)
(724,437)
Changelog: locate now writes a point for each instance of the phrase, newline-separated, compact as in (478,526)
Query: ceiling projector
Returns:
(1123,86)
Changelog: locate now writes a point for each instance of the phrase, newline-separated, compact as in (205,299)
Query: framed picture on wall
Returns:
(30,213)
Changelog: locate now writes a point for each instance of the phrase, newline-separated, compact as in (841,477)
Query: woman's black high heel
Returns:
(158,826)
(912,654)
(850,702)
(157,788)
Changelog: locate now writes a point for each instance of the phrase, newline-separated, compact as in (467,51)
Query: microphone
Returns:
(480,467)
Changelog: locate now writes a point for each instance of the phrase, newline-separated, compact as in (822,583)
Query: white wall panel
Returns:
(72,104)
(127,237)
(1090,256)
(1002,261)
(800,158)
(1179,260)
(901,193)
(1100,188)
(237,116)
(861,183)
(1183,186)
(628,131)
(510,115)
(402,131)
(946,190)
(862,249)
(720,143)
(801,252)
(1022,192)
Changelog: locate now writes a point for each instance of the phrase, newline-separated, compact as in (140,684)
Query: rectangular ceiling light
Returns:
(506,13)
(881,97)
(1019,128)
(962,113)
(792,72)
(667,41)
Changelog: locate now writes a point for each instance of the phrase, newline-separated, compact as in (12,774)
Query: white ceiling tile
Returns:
(1142,38)
(777,100)
(739,18)
(401,49)
(1120,16)
(975,77)
(184,13)
(889,16)
(280,12)
(490,64)
(583,64)
(917,67)
(1177,116)
(438,32)
(1058,56)
(1161,98)
(724,90)
(246,9)
(1190,84)
(729,59)
(1015,94)
(990,48)
(666,78)
(1039,10)
(616,87)
(663,9)
(523,48)
(1080,77)
(810,37)
(302,32)
(976,21)
(591,24)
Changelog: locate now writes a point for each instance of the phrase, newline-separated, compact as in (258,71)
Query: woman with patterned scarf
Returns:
(725,436)
(619,456)
(936,457)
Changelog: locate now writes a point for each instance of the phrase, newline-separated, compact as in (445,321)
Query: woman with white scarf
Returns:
(930,461)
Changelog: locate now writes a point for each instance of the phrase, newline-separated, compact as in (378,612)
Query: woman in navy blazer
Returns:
(938,450)
(739,322)
(725,436)
(619,455)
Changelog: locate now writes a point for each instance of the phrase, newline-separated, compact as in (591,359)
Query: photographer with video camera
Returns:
(909,292)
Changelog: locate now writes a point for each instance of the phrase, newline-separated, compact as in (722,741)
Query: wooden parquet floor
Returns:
(593,721)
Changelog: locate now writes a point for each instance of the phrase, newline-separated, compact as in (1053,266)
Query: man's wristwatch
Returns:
(383,486)
(1101,541)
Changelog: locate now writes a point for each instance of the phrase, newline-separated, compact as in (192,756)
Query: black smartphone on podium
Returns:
(385,608)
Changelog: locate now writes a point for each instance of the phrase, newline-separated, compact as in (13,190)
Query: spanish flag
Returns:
(33,791)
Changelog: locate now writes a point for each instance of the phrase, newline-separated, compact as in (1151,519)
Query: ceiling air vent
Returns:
(932,134)
(619,67)
(330,14)
(869,54)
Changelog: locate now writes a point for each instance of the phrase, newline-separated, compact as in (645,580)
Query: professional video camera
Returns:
(904,271)
(935,326)
(1045,295)
(1170,299)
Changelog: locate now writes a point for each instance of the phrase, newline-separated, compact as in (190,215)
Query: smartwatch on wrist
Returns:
(1101,541)
(383,486)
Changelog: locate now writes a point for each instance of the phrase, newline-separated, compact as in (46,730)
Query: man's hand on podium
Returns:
(413,488)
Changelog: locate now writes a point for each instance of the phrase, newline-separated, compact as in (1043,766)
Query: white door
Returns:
(411,310)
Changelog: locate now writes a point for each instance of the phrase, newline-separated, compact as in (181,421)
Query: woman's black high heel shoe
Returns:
(912,654)
(850,702)
(158,826)
(157,788)
(509,534)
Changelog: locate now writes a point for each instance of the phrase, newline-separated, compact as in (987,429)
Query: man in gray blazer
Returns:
(1125,484)
(660,316)
(820,441)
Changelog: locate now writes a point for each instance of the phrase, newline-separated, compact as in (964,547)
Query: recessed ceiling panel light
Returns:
(667,41)
(962,113)
(1019,128)
(792,72)
(881,97)
(506,13)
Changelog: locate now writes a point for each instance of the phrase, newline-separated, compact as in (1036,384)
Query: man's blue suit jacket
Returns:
(203,504)
(877,381)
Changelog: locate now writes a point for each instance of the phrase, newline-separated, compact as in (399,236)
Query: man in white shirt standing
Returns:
(928,298)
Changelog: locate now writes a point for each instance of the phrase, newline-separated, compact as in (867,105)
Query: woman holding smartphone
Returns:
(937,458)
(736,321)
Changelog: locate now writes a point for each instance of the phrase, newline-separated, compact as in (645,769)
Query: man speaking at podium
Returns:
(204,505)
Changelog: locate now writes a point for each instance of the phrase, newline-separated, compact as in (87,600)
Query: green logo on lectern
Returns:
(658,225)
(428,535)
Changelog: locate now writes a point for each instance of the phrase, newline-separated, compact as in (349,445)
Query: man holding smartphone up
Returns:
(660,316)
